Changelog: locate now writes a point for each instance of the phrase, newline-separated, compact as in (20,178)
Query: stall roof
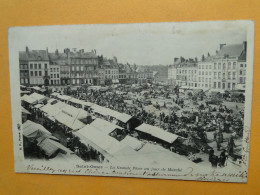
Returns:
(38,96)
(29,99)
(75,112)
(25,92)
(104,126)
(38,105)
(104,143)
(68,121)
(25,111)
(50,110)
(33,130)
(101,110)
(132,142)
(161,156)
(157,132)
(124,117)
(64,97)
(76,101)
(60,104)
(55,94)
(50,147)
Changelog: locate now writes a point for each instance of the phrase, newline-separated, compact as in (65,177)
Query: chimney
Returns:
(176,59)
(221,45)
(56,52)
(196,59)
(66,51)
(27,49)
(208,54)
(203,58)
(244,45)
(47,50)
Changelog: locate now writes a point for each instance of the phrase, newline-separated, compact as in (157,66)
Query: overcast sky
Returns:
(143,44)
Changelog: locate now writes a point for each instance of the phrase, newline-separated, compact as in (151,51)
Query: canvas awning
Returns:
(103,143)
(50,147)
(68,121)
(50,110)
(64,97)
(132,142)
(33,131)
(104,126)
(38,106)
(38,97)
(157,132)
(29,99)
(25,111)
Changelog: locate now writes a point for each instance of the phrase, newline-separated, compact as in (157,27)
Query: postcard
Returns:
(149,100)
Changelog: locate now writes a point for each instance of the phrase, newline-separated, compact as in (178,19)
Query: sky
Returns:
(140,43)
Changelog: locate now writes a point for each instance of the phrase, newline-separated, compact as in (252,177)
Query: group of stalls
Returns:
(128,150)
(166,139)
(38,143)
(124,120)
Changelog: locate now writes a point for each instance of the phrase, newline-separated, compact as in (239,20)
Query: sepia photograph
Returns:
(150,100)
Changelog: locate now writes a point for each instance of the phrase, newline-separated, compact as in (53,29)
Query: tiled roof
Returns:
(37,55)
(234,50)
(83,55)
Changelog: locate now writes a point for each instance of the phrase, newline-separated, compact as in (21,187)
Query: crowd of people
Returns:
(210,127)
(204,116)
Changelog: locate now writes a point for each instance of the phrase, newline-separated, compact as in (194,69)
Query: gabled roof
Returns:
(34,55)
(83,55)
(157,132)
(234,50)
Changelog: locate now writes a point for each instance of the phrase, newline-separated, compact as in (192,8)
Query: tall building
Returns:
(183,73)
(226,70)
(228,67)
(34,67)
(83,67)
(59,68)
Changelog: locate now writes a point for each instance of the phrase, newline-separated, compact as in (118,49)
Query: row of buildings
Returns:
(226,70)
(40,67)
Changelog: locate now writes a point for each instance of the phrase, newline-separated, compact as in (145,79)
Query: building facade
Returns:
(83,67)
(226,70)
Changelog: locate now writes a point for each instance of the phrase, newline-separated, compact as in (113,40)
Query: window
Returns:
(54,75)
(40,73)
(215,65)
(215,84)
(40,66)
(229,65)
(219,75)
(241,72)
(223,76)
(229,75)
(224,66)
(45,66)
(46,72)
(58,76)
(219,85)
(241,79)
(228,85)
(36,73)
(51,75)
(234,75)
(35,66)
(234,65)
(31,66)
(241,65)
(215,75)
(219,66)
